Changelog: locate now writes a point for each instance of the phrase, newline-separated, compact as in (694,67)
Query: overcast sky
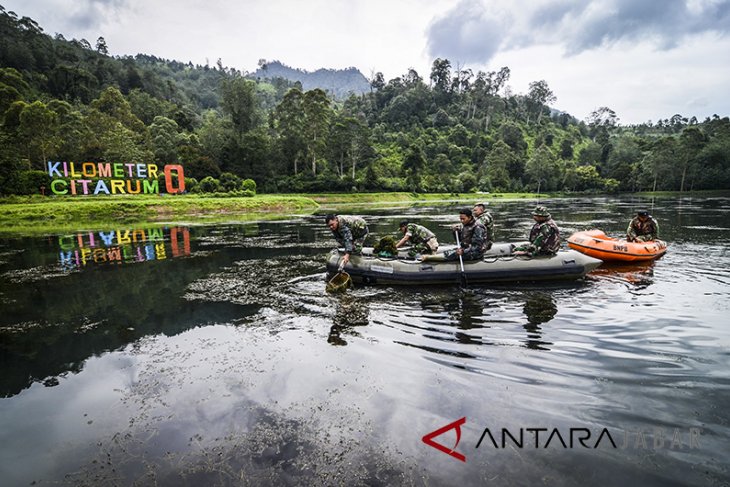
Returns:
(644,59)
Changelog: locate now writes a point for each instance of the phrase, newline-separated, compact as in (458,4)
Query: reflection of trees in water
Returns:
(350,311)
(539,308)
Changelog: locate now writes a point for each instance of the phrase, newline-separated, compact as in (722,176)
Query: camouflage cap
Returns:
(541,211)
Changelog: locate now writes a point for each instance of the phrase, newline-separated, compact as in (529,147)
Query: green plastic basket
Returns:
(339,283)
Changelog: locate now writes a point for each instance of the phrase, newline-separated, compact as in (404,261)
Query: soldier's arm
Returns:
(654,230)
(540,239)
(490,230)
(347,239)
(403,241)
(630,232)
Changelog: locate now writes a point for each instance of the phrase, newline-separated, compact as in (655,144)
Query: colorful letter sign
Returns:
(92,178)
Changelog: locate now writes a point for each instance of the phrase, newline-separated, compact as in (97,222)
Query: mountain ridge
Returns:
(339,82)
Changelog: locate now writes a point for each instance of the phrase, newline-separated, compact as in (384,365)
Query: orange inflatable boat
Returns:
(599,245)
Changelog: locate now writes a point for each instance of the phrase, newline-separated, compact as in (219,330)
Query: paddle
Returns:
(461,260)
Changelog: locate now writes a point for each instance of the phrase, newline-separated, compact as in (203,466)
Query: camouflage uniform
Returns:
(423,240)
(351,233)
(473,239)
(487,220)
(544,236)
(645,231)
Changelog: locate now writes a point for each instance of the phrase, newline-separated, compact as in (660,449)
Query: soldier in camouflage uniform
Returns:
(350,233)
(472,238)
(544,235)
(422,240)
(642,228)
(485,218)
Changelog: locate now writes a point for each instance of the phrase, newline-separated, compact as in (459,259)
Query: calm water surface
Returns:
(211,355)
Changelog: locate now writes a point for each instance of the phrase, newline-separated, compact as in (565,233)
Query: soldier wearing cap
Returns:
(472,238)
(349,231)
(485,218)
(544,235)
(422,240)
(642,228)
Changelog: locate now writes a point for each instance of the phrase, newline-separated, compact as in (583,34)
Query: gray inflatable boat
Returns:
(498,265)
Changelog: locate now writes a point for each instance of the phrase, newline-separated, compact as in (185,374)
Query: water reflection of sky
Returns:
(233,362)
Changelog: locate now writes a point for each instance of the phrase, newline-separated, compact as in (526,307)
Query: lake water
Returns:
(211,355)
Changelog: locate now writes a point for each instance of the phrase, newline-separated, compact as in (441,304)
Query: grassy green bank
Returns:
(39,215)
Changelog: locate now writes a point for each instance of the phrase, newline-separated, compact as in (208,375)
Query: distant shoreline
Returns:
(39,215)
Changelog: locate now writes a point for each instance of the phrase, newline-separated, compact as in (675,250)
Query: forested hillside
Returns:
(449,130)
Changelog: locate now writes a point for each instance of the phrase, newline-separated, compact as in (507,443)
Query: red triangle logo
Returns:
(456,425)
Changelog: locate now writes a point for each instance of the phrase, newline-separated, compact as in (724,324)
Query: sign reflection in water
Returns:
(117,247)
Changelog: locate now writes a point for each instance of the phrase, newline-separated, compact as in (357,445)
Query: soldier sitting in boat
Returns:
(472,238)
(485,218)
(642,228)
(421,239)
(544,235)
(350,233)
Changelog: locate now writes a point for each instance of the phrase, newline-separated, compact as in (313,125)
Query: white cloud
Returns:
(644,59)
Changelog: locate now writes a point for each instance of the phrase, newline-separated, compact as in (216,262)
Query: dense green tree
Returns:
(112,103)
(625,154)
(658,168)
(348,144)
(413,165)
(146,107)
(165,139)
(37,129)
(499,160)
(543,169)
(539,96)
(441,75)
(71,129)
(119,143)
(240,102)
(691,142)
(318,113)
(290,121)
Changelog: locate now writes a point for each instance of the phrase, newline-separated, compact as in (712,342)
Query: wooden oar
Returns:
(461,260)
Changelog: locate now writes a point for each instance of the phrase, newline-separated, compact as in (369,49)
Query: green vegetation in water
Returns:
(43,215)
(402,197)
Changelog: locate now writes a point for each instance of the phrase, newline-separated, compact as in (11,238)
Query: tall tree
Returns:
(38,128)
(318,112)
(289,123)
(691,142)
(539,96)
(543,167)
